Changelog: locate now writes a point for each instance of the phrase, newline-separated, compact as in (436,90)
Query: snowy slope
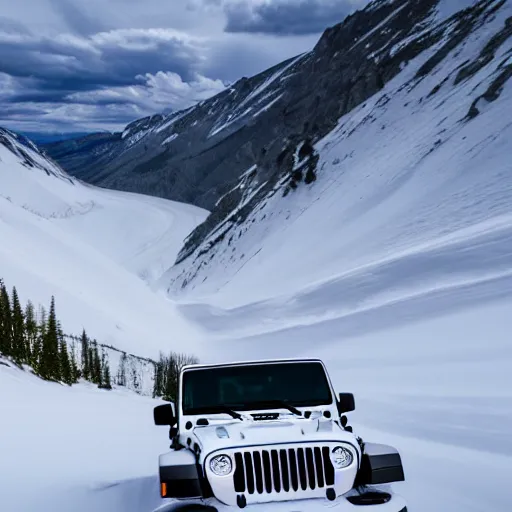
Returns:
(98,253)
(431,376)
(399,173)
(90,248)
(76,448)
(395,267)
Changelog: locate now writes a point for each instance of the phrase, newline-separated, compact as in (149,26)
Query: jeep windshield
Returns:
(254,387)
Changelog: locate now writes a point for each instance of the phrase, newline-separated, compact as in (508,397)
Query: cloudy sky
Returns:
(81,65)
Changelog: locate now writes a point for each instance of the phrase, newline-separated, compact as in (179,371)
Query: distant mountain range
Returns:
(46,138)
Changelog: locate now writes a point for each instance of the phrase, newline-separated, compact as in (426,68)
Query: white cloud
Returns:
(161,91)
(128,58)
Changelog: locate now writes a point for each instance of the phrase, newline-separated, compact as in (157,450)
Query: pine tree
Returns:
(159,376)
(171,378)
(85,355)
(50,361)
(3,336)
(106,378)
(90,357)
(18,348)
(95,364)
(171,368)
(121,372)
(37,350)
(105,381)
(75,372)
(42,319)
(135,380)
(6,316)
(31,334)
(64,363)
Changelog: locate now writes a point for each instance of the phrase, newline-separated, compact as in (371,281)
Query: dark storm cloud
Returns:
(77,19)
(96,64)
(286,17)
(108,68)
(107,58)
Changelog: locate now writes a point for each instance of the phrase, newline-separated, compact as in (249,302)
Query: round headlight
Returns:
(221,465)
(341,457)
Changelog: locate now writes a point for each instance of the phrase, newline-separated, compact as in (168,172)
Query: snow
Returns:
(268,106)
(174,118)
(269,81)
(382,24)
(96,251)
(136,137)
(431,379)
(227,124)
(76,448)
(394,267)
(169,139)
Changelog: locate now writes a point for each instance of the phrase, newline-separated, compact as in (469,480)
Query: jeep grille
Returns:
(283,470)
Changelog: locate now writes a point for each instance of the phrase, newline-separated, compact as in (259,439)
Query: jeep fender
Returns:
(380,464)
(179,475)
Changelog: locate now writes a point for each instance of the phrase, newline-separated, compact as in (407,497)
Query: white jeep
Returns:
(270,435)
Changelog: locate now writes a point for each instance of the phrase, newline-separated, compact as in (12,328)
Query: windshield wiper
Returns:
(213,410)
(227,410)
(275,403)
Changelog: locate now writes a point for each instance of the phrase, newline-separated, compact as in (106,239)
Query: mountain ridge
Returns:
(260,125)
(426,130)
(281,112)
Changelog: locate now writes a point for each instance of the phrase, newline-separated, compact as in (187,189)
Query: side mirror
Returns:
(346,403)
(164,415)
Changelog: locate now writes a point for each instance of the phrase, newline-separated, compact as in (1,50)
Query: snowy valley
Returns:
(393,264)
(97,252)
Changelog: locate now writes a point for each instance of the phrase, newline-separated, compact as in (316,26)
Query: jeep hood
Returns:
(250,433)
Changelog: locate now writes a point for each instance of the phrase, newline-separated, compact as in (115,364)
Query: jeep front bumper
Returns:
(342,504)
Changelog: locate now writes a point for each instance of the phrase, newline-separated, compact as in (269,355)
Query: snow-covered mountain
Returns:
(419,168)
(190,156)
(393,263)
(97,251)
(200,155)
(197,155)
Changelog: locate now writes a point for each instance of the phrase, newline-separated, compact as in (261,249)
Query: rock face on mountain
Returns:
(29,155)
(190,156)
(257,138)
